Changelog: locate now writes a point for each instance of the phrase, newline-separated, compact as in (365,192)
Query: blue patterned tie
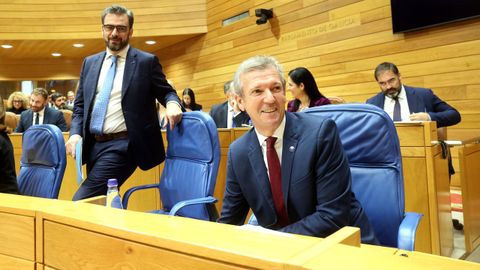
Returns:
(101,103)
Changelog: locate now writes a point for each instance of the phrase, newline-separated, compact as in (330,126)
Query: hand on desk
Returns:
(419,117)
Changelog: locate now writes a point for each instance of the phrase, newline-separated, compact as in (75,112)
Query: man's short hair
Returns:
(40,92)
(385,66)
(118,10)
(227,87)
(259,62)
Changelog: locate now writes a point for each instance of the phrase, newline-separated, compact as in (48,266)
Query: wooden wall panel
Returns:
(341,42)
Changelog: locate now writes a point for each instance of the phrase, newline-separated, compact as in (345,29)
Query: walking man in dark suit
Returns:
(290,169)
(39,113)
(228,114)
(115,110)
(405,103)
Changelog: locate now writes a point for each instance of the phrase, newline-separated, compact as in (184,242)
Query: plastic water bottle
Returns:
(113,198)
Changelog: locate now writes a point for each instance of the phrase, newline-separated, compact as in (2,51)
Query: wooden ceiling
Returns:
(42,49)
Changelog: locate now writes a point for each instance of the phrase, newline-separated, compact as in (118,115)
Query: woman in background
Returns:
(304,89)
(188,101)
(8,178)
(17,102)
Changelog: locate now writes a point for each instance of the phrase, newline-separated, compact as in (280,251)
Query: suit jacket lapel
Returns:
(290,140)
(130,67)
(90,89)
(260,174)
(414,102)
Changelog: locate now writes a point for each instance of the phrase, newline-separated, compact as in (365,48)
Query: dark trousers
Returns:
(109,159)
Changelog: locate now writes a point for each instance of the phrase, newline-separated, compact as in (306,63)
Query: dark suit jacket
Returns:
(50,116)
(143,82)
(8,178)
(316,181)
(219,114)
(424,100)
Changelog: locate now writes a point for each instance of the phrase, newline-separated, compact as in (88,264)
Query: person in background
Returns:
(39,113)
(304,89)
(115,111)
(406,103)
(228,114)
(290,169)
(58,101)
(188,100)
(17,102)
(70,100)
(8,178)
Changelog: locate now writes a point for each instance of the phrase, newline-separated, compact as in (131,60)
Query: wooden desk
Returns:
(466,161)
(427,188)
(53,234)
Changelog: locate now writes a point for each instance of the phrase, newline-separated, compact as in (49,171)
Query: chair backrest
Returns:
(191,164)
(11,120)
(371,144)
(43,161)
(67,114)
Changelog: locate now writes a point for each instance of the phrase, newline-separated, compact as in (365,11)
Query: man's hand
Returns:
(419,117)
(71,143)
(173,114)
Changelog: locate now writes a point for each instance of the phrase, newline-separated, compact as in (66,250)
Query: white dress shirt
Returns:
(390,104)
(41,115)
(114,119)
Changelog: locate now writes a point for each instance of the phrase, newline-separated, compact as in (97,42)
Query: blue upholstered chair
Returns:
(371,143)
(190,169)
(43,161)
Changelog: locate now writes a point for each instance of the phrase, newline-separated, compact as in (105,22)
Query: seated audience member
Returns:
(17,102)
(228,114)
(188,101)
(58,101)
(39,113)
(290,169)
(70,100)
(304,89)
(8,178)
(405,103)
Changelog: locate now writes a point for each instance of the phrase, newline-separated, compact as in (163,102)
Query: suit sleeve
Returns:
(443,114)
(235,207)
(20,127)
(76,124)
(163,90)
(332,187)
(60,122)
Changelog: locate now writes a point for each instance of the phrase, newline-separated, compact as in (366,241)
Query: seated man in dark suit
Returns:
(228,114)
(39,113)
(290,169)
(405,103)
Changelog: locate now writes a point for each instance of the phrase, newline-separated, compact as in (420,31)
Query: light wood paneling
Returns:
(341,42)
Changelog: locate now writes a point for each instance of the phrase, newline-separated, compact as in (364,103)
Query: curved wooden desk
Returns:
(53,234)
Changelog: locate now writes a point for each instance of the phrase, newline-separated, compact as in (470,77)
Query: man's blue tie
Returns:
(101,103)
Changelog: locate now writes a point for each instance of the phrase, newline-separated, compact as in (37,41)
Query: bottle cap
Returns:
(112,182)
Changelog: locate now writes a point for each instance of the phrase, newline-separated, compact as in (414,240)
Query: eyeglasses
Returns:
(18,101)
(120,28)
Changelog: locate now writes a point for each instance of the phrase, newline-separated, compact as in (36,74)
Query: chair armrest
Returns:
(407,231)
(180,205)
(129,192)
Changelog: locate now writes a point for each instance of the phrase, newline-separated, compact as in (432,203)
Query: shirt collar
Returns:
(41,112)
(278,133)
(122,53)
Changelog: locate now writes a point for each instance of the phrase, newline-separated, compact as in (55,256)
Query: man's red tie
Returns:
(275,173)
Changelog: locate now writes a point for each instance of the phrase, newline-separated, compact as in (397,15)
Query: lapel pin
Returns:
(291,148)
